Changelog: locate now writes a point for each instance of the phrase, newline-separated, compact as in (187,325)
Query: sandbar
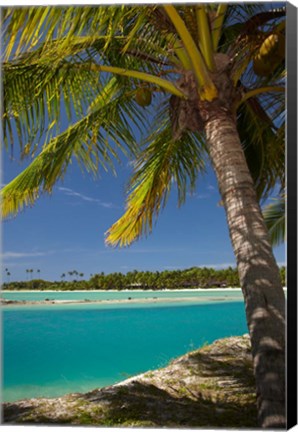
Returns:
(6,302)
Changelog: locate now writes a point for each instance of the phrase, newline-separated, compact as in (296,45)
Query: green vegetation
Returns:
(275,216)
(194,277)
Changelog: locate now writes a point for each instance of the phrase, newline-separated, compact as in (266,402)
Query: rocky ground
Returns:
(210,387)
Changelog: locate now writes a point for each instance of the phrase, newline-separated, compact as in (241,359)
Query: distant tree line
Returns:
(195,277)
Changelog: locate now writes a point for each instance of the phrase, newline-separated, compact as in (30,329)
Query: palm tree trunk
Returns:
(258,272)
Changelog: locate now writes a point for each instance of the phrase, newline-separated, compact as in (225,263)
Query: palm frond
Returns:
(246,27)
(24,28)
(263,146)
(253,14)
(208,90)
(274,215)
(39,81)
(89,141)
(162,164)
(33,93)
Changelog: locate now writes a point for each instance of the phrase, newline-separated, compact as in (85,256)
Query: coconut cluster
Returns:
(270,54)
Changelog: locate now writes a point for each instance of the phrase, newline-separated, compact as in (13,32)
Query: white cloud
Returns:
(198,196)
(218,265)
(16,265)
(8,255)
(134,163)
(131,163)
(171,267)
(145,251)
(215,266)
(202,196)
(83,197)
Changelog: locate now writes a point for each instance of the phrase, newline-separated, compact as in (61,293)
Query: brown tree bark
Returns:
(259,274)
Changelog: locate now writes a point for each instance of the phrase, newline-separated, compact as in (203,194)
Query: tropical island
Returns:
(170,90)
(191,278)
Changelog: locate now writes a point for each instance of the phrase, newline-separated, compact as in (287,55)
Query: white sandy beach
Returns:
(126,290)
(103,302)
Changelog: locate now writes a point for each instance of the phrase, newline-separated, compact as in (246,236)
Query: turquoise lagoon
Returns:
(52,350)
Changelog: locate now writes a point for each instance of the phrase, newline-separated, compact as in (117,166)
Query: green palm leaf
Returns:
(89,141)
(275,215)
(162,164)
(24,28)
(32,95)
(263,144)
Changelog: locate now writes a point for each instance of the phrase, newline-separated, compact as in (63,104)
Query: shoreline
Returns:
(229,289)
(5,302)
(124,290)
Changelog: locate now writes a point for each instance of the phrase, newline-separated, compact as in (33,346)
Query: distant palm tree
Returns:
(8,275)
(31,274)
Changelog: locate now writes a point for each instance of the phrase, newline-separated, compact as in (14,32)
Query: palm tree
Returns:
(211,77)
(8,274)
(75,273)
(31,274)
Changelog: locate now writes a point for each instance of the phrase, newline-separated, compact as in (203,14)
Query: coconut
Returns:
(261,67)
(143,96)
(270,54)
(269,47)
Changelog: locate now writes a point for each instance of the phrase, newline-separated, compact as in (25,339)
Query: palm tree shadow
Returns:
(229,401)
(146,404)
(13,411)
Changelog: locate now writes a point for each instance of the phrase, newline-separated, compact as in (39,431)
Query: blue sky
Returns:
(65,231)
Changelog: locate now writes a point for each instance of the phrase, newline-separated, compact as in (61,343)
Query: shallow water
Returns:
(53,350)
(120,295)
